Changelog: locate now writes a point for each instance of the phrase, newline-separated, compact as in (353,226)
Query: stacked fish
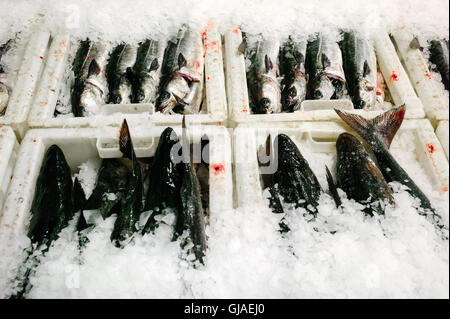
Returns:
(281,75)
(168,75)
(357,174)
(4,89)
(171,186)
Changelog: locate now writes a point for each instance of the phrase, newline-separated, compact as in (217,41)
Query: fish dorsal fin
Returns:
(125,143)
(325,61)
(332,188)
(384,126)
(181,60)
(268,63)
(366,69)
(154,66)
(94,68)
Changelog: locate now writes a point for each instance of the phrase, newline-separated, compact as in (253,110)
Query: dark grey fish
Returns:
(378,133)
(439,56)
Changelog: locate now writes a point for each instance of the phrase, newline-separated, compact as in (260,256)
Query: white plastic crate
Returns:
(317,140)
(435,103)
(23,91)
(81,144)
(442,134)
(395,77)
(8,153)
(42,112)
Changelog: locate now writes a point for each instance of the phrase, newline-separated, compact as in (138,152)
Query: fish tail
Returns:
(332,188)
(384,126)
(125,143)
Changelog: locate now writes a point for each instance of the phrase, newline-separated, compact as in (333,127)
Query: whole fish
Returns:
(126,223)
(189,55)
(4,89)
(90,88)
(118,73)
(147,71)
(359,177)
(321,67)
(263,77)
(191,216)
(51,210)
(292,69)
(297,183)
(378,133)
(439,56)
(165,178)
(360,67)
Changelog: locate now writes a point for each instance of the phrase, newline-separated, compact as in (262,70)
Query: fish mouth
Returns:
(188,77)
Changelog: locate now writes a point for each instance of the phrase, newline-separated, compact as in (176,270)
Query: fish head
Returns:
(323,88)
(166,102)
(348,144)
(293,94)
(269,96)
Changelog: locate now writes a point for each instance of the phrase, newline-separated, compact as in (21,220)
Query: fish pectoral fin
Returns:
(181,60)
(154,66)
(268,63)
(332,188)
(366,70)
(94,68)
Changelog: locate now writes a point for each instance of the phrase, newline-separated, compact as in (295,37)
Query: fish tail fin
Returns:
(125,143)
(332,188)
(384,126)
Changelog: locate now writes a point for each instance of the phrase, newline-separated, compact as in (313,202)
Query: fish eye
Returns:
(292,92)
(265,102)
(164,96)
(318,94)
(361,103)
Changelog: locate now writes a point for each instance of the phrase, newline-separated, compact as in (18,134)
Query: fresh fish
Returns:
(378,133)
(51,210)
(292,69)
(322,71)
(191,216)
(360,67)
(439,56)
(297,183)
(359,177)
(128,217)
(90,87)
(189,55)
(165,178)
(4,89)
(112,180)
(147,71)
(263,77)
(118,73)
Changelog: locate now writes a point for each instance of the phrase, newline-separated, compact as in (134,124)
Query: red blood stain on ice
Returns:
(235,30)
(41,57)
(244,110)
(428,75)
(208,78)
(218,168)
(430,148)
(34,141)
